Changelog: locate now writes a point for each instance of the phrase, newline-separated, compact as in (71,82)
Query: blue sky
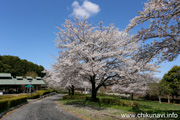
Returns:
(27,27)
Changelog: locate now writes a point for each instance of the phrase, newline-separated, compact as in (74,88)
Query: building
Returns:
(9,85)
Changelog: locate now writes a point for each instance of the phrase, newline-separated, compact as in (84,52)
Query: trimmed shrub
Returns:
(88,98)
(79,94)
(135,106)
(112,101)
(43,92)
(66,97)
(61,91)
(74,97)
(3,105)
(16,101)
(33,96)
(11,102)
(6,97)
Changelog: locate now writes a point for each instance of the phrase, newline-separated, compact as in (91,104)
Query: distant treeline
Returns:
(19,67)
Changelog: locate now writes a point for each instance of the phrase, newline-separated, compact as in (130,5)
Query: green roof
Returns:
(7,82)
(6,79)
(19,77)
(38,78)
(37,82)
(28,77)
(5,74)
(27,82)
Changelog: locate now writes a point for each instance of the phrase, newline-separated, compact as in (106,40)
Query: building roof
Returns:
(7,82)
(5,75)
(6,79)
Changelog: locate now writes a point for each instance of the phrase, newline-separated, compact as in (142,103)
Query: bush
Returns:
(74,97)
(16,101)
(127,103)
(11,102)
(107,101)
(79,94)
(112,101)
(44,92)
(33,96)
(61,91)
(6,96)
(3,105)
(135,106)
(88,98)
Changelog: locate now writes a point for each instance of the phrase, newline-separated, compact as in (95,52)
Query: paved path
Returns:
(45,109)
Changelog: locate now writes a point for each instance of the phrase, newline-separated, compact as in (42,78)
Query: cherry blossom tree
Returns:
(139,87)
(163,18)
(99,55)
(64,80)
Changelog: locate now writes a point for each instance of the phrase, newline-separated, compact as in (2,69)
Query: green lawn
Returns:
(149,107)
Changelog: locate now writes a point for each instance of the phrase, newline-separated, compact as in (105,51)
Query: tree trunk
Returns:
(94,91)
(168,99)
(172,99)
(69,91)
(72,89)
(159,99)
(132,96)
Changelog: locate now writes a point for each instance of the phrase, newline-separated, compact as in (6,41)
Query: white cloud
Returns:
(87,9)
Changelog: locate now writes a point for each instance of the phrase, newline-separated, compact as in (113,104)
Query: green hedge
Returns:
(74,97)
(106,101)
(112,101)
(33,96)
(38,94)
(3,105)
(11,102)
(44,92)
(16,101)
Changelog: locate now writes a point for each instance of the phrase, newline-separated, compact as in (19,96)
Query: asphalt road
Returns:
(45,109)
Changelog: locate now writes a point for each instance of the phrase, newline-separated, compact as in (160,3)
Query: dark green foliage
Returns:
(114,101)
(106,101)
(34,96)
(172,80)
(135,106)
(11,102)
(61,91)
(111,101)
(88,98)
(74,97)
(16,101)
(18,67)
(129,106)
(3,105)
(80,94)
(44,92)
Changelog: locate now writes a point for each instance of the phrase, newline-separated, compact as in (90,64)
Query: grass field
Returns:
(149,107)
